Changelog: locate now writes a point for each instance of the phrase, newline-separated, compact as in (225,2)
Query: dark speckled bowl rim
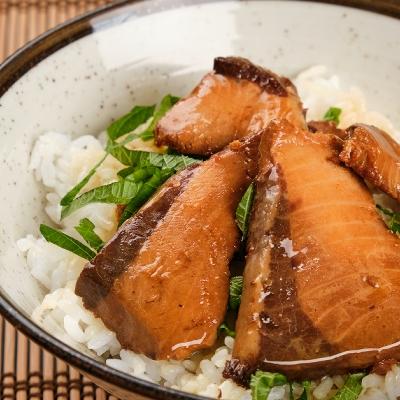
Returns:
(21,62)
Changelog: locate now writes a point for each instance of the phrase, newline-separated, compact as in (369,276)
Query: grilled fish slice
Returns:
(374,155)
(322,275)
(161,283)
(326,127)
(237,99)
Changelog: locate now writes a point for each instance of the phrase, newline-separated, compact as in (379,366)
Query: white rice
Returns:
(59,162)
(319,91)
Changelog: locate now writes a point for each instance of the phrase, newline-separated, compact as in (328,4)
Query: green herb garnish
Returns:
(306,395)
(166,104)
(86,230)
(393,222)
(225,330)
(66,242)
(243,210)
(291,394)
(139,174)
(146,158)
(67,199)
(333,114)
(145,171)
(129,122)
(235,292)
(261,383)
(351,388)
(120,192)
(145,192)
(123,173)
(142,164)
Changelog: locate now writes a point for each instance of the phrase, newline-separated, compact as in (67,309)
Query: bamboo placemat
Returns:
(26,370)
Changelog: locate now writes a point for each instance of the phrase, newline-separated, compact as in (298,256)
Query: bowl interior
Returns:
(138,53)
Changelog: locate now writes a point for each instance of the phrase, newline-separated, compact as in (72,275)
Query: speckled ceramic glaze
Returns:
(135,53)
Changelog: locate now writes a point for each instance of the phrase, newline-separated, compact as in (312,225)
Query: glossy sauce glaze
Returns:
(161,283)
(236,100)
(322,275)
(375,156)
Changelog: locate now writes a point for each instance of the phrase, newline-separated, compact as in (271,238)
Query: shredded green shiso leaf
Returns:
(333,114)
(86,230)
(120,192)
(146,158)
(235,291)
(235,294)
(306,395)
(137,174)
(225,330)
(144,168)
(129,122)
(351,388)
(166,104)
(262,382)
(66,242)
(243,210)
(145,172)
(145,192)
(69,197)
(392,220)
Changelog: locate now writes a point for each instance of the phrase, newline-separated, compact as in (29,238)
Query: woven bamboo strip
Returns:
(22,367)
(35,371)
(8,378)
(48,376)
(21,21)
(61,380)
(3,37)
(31,25)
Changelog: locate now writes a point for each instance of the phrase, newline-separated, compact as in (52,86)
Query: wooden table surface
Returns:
(27,371)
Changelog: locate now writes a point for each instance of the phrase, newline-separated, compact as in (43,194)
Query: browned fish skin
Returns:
(162,282)
(240,68)
(384,366)
(99,275)
(237,99)
(322,275)
(375,156)
(326,127)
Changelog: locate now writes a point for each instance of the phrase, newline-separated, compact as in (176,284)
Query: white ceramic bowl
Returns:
(81,75)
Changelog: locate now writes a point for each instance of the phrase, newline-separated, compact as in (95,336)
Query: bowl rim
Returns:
(24,59)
